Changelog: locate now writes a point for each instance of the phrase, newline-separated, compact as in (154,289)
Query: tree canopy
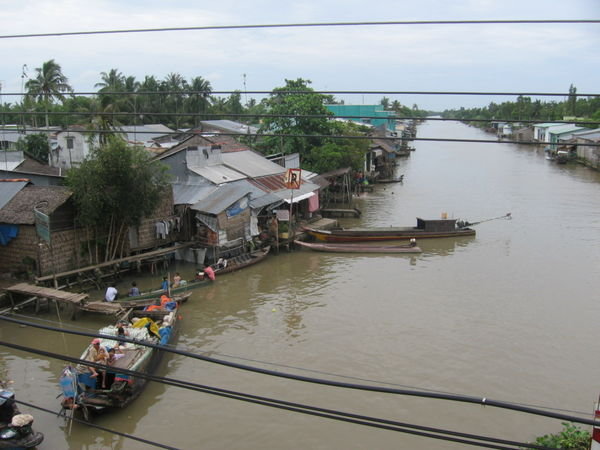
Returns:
(49,84)
(525,108)
(298,115)
(115,188)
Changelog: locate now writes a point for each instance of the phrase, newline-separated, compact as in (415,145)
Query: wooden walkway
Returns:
(44,292)
(77,302)
(151,255)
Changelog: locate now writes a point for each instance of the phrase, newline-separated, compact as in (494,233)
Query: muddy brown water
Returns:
(510,314)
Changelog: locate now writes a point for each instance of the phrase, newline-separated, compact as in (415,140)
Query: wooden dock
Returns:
(31,290)
(76,302)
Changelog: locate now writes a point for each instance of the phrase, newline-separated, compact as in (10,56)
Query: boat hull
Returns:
(390,234)
(358,248)
(232,266)
(125,388)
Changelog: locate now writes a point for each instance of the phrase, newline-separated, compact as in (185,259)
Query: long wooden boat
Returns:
(111,389)
(229,265)
(15,428)
(358,248)
(134,302)
(425,229)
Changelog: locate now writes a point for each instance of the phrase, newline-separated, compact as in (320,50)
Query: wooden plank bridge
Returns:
(77,302)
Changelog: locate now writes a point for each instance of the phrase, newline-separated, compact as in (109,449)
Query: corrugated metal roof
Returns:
(565,129)
(143,133)
(251,164)
(218,173)
(305,188)
(8,189)
(10,160)
(221,198)
(230,126)
(184,194)
(270,183)
(546,125)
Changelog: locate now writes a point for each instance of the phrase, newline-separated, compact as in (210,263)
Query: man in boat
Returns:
(111,294)
(165,284)
(96,354)
(134,291)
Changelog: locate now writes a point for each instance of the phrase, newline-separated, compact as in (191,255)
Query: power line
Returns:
(321,372)
(93,425)
(306,25)
(294,116)
(459,437)
(433,395)
(208,134)
(307,92)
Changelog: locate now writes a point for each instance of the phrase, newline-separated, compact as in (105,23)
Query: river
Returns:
(510,314)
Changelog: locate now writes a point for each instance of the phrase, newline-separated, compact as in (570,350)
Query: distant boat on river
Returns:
(358,248)
(426,228)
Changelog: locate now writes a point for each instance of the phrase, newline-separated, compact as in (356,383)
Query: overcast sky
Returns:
(490,58)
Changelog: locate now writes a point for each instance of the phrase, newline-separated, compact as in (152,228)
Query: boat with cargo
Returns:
(110,384)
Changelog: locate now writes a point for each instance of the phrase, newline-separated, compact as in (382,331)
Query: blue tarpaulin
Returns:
(8,232)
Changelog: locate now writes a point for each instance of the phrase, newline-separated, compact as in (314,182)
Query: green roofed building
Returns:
(373,115)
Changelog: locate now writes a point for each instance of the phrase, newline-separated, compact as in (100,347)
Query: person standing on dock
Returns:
(111,294)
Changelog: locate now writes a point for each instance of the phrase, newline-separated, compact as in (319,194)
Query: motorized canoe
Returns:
(358,248)
(425,229)
(111,389)
(226,266)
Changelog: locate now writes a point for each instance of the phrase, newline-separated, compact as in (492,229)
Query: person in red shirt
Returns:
(209,272)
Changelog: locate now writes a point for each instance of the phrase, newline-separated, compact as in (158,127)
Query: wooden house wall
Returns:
(235,226)
(63,256)
(19,248)
(63,217)
(146,231)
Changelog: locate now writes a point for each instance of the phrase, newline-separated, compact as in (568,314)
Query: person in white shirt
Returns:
(111,294)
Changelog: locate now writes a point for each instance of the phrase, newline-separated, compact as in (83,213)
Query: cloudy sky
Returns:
(474,58)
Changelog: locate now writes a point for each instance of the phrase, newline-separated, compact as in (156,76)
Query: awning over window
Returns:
(298,198)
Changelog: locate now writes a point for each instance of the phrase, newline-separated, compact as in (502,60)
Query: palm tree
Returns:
(199,100)
(148,102)
(49,83)
(174,84)
(112,81)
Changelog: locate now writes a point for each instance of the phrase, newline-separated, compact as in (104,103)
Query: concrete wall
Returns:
(589,155)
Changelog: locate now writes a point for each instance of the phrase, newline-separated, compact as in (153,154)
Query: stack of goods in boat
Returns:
(96,389)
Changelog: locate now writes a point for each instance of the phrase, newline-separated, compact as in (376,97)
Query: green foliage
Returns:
(35,146)
(49,84)
(116,187)
(524,108)
(308,135)
(571,437)
(295,99)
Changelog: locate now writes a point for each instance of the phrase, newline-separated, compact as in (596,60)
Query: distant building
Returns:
(373,115)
